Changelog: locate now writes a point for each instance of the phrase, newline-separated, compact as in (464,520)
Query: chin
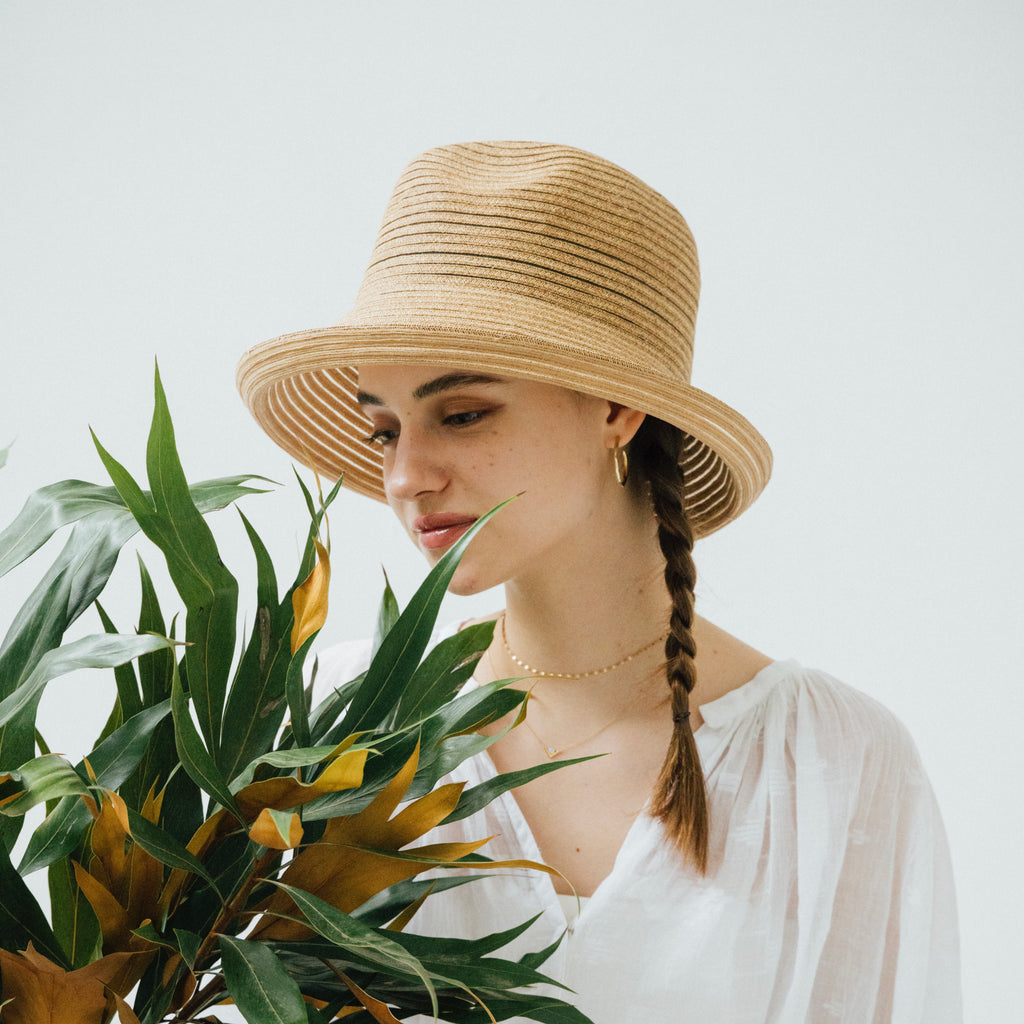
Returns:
(466,587)
(468,581)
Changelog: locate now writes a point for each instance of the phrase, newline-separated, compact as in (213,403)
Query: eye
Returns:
(463,419)
(383,438)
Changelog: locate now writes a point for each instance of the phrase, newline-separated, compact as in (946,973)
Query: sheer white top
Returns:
(829,895)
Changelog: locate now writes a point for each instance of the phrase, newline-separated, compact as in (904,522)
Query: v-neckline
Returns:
(530,848)
(723,710)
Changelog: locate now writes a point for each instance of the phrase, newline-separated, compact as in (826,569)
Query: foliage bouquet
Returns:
(224,840)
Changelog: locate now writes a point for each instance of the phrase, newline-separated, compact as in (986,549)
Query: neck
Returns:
(592,606)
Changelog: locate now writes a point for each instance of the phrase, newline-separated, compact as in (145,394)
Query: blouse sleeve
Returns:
(922,954)
(887,940)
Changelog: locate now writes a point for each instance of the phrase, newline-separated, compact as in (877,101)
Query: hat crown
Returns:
(508,238)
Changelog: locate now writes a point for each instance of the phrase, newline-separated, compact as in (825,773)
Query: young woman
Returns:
(760,843)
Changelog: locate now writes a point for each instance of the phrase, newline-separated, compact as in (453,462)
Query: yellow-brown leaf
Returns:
(344,772)
(309,599)
(353,861)
(40,990)
(266,832)
(374,1007)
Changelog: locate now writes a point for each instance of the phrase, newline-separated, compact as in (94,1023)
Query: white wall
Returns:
(182,180)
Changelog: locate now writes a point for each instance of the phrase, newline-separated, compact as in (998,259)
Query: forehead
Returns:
(380,383)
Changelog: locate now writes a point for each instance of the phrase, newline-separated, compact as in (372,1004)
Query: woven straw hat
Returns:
(525,260)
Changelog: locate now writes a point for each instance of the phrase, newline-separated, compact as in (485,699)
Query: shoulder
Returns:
(847,725)
(817,724)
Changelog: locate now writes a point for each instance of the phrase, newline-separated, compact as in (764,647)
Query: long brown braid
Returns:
(680,798)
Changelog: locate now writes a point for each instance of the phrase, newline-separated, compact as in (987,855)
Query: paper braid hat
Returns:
(526,260)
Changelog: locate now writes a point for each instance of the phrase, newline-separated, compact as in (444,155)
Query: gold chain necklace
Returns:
(573,675)
(554,752)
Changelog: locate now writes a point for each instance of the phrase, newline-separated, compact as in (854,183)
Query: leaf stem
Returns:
(230,910)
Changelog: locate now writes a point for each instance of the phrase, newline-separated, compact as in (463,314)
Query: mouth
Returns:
(440,530)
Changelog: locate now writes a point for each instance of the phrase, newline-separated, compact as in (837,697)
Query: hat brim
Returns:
(301,388)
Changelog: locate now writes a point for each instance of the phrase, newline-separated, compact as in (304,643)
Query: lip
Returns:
(441,529)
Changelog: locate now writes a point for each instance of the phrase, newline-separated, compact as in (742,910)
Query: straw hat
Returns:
(525,260)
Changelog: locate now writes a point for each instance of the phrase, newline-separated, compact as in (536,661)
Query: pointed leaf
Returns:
(74,924)
(49,777)
(351,934)
(112,762)
(387,614)
(444,670)
(374,1007)
(101,651)
(130,703)
(21,919)
(259,984)
(475,799)
(284,793)
(256,701)
(277,830)
(195,758)
(162,846)
(171,520)
(309,600)
(401,650)
(60,504)
(298,700)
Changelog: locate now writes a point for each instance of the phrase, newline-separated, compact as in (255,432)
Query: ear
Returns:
(621,424)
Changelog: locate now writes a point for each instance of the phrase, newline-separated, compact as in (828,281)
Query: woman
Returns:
(759,844)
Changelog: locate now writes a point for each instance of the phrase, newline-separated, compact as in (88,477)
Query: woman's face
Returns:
(457,443)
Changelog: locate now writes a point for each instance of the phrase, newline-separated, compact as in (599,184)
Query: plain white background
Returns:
(184,180)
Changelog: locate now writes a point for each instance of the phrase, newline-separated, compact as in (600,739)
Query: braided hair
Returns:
(680,798)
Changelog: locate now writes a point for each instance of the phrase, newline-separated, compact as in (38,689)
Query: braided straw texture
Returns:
(525,260)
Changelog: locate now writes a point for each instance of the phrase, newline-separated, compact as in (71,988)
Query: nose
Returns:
(413,467)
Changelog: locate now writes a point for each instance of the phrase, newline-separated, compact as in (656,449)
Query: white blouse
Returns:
(829,894)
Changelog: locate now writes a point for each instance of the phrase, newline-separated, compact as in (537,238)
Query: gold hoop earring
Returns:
(621,460)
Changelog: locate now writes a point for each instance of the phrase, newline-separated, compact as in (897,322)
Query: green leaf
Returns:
(112,762)
(164,847)
(21,919)
(46,511)
(155,670)
(71,583)
(210,592)
(194,756)
(172,521)
(479,796)
(351,934)
(401,650)
(296,693)
(259,983)
(256,702)
(74,923)
(387,614)
(102,651)
(379,910)
(49,777)
(60,504)
(129,701)
(324,717)
(188,944)
(290,758)
(446,667)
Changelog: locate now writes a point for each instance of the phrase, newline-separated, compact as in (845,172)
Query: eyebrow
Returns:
(447,382)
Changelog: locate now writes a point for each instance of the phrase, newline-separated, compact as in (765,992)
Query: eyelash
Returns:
(383,437)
